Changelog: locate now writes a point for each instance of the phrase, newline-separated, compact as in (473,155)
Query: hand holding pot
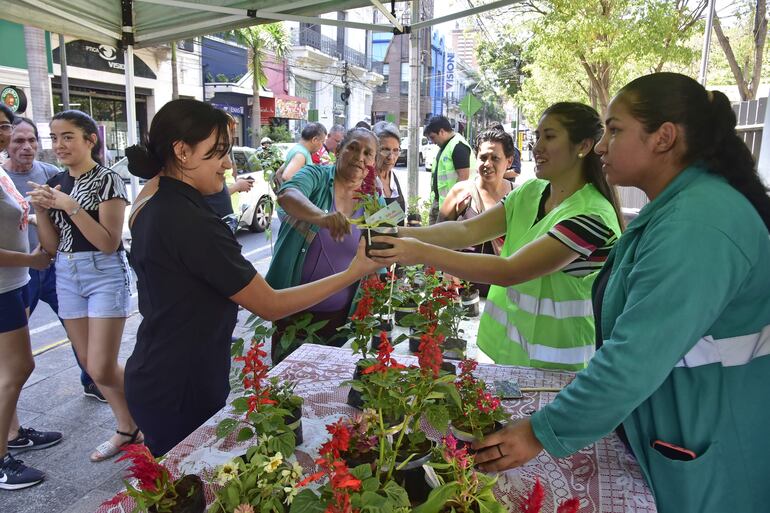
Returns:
(511,447)
(361,265)
(405,251)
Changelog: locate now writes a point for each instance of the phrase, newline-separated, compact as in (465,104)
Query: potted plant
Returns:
(478,412)
(258,407)
(471,301)
(457,487)
(259,481)
(282,393)
(153,489)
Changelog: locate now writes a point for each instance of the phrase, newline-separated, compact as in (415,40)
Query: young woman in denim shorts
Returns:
(16,360)
(85,207)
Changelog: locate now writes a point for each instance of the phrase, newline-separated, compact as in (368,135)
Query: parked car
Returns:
(256,209)
(427,153)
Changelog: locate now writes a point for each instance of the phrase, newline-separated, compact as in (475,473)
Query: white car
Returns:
(427,153)
(257,205)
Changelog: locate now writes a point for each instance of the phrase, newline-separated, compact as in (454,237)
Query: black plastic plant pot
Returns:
(412,478)
(385,325)
(294,422)
(404,310)
(464,438)
(414,343)
(454,348)
(375,344)
(449,367)
(373,232)
(191,496)
(355,399)
(471,302)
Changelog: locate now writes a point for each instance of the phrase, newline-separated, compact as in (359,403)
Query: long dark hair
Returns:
(189,121)
(709,129)
(583,122)
(87,124)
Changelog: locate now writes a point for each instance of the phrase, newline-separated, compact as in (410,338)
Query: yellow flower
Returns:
(227,472)
(244,508)
(274,462)
(290,493)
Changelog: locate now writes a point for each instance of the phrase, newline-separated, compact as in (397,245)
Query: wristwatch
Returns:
(75,210)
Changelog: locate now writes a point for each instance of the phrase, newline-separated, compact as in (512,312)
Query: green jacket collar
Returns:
(680,182)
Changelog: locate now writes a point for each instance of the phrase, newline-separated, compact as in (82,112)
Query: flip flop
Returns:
(108,450)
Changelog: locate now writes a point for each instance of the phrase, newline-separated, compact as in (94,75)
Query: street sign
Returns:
(470,105)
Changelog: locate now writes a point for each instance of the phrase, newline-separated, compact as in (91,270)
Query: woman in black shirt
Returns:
(192,277)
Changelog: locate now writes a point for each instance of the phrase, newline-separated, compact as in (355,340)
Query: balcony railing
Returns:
(330,47)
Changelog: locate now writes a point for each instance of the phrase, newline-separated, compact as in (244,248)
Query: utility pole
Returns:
(414,103)
(65,82)
(174,73)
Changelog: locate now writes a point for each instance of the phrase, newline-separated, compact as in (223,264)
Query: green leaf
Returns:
(232,495)
(370,485)
(306,501)
(226,427)
(438,498)
(240,405)
(396,493)
(438,417)
(363,471)
(245,434)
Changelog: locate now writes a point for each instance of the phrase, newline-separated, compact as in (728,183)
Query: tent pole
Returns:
(127,7)
(413,116)
(65,82)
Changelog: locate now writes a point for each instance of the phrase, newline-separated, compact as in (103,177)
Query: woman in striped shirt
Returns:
(558,231)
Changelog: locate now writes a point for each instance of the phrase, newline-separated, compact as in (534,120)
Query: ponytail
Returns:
(709,129)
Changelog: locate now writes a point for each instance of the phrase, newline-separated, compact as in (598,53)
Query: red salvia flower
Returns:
(429,353)
(364,308)
(254,374)
(533,503)
(339,442)
(384,359)
(569,506)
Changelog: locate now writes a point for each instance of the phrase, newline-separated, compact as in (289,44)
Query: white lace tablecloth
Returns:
(604,476)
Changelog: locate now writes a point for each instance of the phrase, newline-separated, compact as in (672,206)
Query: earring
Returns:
(580,155)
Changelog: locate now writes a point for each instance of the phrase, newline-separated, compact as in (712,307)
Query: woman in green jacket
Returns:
(558,231)
(684,311)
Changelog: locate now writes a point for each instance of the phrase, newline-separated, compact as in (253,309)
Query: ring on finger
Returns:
(500,451)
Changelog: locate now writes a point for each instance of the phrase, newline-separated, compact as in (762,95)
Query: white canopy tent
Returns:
(130,24)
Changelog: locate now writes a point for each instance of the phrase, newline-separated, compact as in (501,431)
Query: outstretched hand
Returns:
(405,251)
(510,447)
(361,265)
(45,197)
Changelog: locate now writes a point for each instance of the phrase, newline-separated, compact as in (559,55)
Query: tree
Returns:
(596,46)
(502,61)
(747,76)
(40,85)
(259,40)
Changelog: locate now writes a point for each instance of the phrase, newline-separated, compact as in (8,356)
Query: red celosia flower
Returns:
(143,467)
(569,506)
(451,452)
(368,184)
(384,359)
(429,353)
(534,501)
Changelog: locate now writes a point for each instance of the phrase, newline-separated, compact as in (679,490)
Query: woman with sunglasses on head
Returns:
(682,311)
(191,277)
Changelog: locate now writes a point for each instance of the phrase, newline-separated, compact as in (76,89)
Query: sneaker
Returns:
(29,439)
(91,390)
(14,475)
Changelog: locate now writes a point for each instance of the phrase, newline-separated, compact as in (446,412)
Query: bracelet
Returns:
(75,210)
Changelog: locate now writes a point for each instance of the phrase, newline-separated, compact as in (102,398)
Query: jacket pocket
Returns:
(700,485)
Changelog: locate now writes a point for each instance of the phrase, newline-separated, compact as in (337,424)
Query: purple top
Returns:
(326,256)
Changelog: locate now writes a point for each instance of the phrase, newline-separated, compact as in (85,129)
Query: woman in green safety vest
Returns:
(683,310)
(558,231)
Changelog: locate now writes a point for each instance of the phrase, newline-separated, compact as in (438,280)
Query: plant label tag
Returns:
(508,389)
(392,214)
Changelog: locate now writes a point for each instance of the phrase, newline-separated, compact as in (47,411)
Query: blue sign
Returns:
(230,109)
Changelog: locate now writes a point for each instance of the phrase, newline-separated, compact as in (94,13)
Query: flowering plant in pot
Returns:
(450,311)
(259,481)
(376,217)
(469,296)
(347,490)
(153,489)
(258,404)
(457,487)
(478,411)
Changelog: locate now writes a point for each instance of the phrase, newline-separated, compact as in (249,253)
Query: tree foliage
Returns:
(585,51)
(261,40)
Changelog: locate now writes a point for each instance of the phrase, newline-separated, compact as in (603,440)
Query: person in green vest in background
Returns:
(683,311)
(453,162)
(558,231)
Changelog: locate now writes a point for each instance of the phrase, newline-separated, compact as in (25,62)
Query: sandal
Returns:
(108,450)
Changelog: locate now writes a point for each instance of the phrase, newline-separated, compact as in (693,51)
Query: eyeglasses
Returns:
(386,152)
(5,127)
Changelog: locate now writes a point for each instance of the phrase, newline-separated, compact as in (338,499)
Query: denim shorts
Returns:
(93,284)
(13,309)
